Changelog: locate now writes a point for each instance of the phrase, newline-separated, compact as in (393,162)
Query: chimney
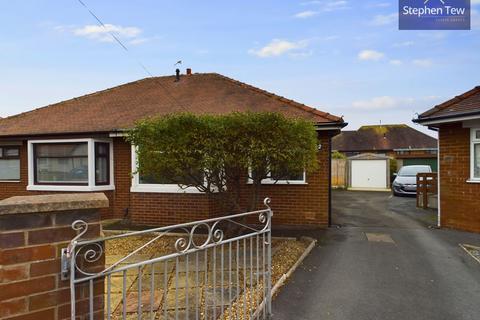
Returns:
(189,71)
(177,74)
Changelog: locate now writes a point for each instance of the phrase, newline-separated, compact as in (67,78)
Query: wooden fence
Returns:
(339,173)
(426,188)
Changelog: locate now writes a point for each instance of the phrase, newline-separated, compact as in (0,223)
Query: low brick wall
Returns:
(34,229)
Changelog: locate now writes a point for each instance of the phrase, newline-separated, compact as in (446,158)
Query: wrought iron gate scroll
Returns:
(208,274)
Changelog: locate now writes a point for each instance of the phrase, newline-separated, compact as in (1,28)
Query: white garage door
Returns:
(369,174)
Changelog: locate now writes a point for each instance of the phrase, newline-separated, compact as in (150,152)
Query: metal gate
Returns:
(203,271)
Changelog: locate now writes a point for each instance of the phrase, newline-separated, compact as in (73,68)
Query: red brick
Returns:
(49,299)
(52,235)
(45,267)
(12,240)
(19,255)
(13,273)
(26,287)
(460,208)
(44,315)
(289,202)
(12,307)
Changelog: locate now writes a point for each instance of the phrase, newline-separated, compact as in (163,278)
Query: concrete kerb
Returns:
(276,287)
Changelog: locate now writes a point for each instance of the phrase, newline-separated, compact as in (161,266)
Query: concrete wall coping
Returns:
(52,202)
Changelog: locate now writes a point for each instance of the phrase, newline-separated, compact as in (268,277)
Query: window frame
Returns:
(107,156)
(91,185)
(473,141)
(138,187)
(2,157)
(269,180)
(35,166)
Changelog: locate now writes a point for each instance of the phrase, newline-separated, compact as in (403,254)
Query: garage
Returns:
(369,172)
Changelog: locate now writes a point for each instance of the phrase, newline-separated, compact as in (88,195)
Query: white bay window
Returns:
(70,165)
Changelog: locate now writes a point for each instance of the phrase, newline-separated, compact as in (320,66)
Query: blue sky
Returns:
(346,57)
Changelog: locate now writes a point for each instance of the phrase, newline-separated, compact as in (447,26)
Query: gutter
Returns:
(448,118)
(55,134)
(320,126)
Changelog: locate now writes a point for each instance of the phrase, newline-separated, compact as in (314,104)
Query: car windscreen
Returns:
(412,171)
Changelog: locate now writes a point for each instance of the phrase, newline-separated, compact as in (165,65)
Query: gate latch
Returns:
(65,265)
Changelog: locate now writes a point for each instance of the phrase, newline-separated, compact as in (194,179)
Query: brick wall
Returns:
(293,204)
(30,243)
(11,189)
(460,202)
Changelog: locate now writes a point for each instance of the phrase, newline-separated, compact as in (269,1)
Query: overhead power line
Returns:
(124,47)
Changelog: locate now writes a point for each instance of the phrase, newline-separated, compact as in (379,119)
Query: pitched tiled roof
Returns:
(464,104)
(120,107)
(382,138)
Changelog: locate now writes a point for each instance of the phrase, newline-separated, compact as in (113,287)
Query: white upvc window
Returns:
(9,163)
(284,178)
(154,185)
(475,155)
(70,165)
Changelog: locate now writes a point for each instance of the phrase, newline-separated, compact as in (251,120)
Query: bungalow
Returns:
(457,122)
(78,145)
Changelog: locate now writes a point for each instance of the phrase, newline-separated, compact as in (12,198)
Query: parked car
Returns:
(405,182)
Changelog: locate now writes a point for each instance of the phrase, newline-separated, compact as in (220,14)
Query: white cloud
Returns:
(424,63)
(474,2)
(306,14)
(101,33)
(335,5)
(377,103)
(389,103)
(384,19)
(138,41)
(380,5)
(371,55)
(396,62)
(278,47)
(328,5)
(403,44)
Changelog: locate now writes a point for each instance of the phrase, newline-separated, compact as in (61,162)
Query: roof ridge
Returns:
(450,102)
(272,95)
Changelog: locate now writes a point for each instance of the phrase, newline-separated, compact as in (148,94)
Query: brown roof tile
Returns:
(465,103)
(120,107)
(382,138)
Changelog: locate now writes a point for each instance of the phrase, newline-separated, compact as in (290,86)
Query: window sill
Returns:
(282,182)
(69,188)
(473,181)
(10,181)
(163,189)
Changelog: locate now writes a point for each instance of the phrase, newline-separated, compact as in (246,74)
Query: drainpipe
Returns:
(439,214)
(329,180)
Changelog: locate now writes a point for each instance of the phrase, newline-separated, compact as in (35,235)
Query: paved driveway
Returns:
(383,263)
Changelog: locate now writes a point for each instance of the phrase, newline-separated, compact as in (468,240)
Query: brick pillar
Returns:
(34,229)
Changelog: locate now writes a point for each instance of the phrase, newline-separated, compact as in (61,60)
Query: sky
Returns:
(345,57)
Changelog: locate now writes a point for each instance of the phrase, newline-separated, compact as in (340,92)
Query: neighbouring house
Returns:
(370,148)
(79,145)
(457,122)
